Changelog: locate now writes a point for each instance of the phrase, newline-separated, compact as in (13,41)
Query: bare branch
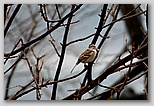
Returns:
(45,34)
(11,19)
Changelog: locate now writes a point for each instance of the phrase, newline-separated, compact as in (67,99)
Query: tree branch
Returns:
(106,73)
(11,19)
(45,34)
(53,97)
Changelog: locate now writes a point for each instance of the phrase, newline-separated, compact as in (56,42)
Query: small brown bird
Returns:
(87,56)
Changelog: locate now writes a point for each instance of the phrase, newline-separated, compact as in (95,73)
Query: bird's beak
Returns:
(98,50)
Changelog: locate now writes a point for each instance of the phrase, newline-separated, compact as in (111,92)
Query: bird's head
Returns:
(92,46)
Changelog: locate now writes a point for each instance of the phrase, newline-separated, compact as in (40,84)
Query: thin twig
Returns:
(124,17)
(133,64)
(20,56)
(30,67)
(54,46)
(48,23)
(109,12)
(20,40)
(44,16)
(127,47)
(18,93)
(70,23)
(58,11)
(107,87)
(81,39)
(37,77)
(145,88)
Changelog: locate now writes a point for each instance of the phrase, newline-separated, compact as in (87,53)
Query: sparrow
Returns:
(87,56)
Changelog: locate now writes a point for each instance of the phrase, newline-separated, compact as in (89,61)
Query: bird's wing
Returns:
(85,55)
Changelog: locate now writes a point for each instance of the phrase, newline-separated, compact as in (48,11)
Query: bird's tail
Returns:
(73,68)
